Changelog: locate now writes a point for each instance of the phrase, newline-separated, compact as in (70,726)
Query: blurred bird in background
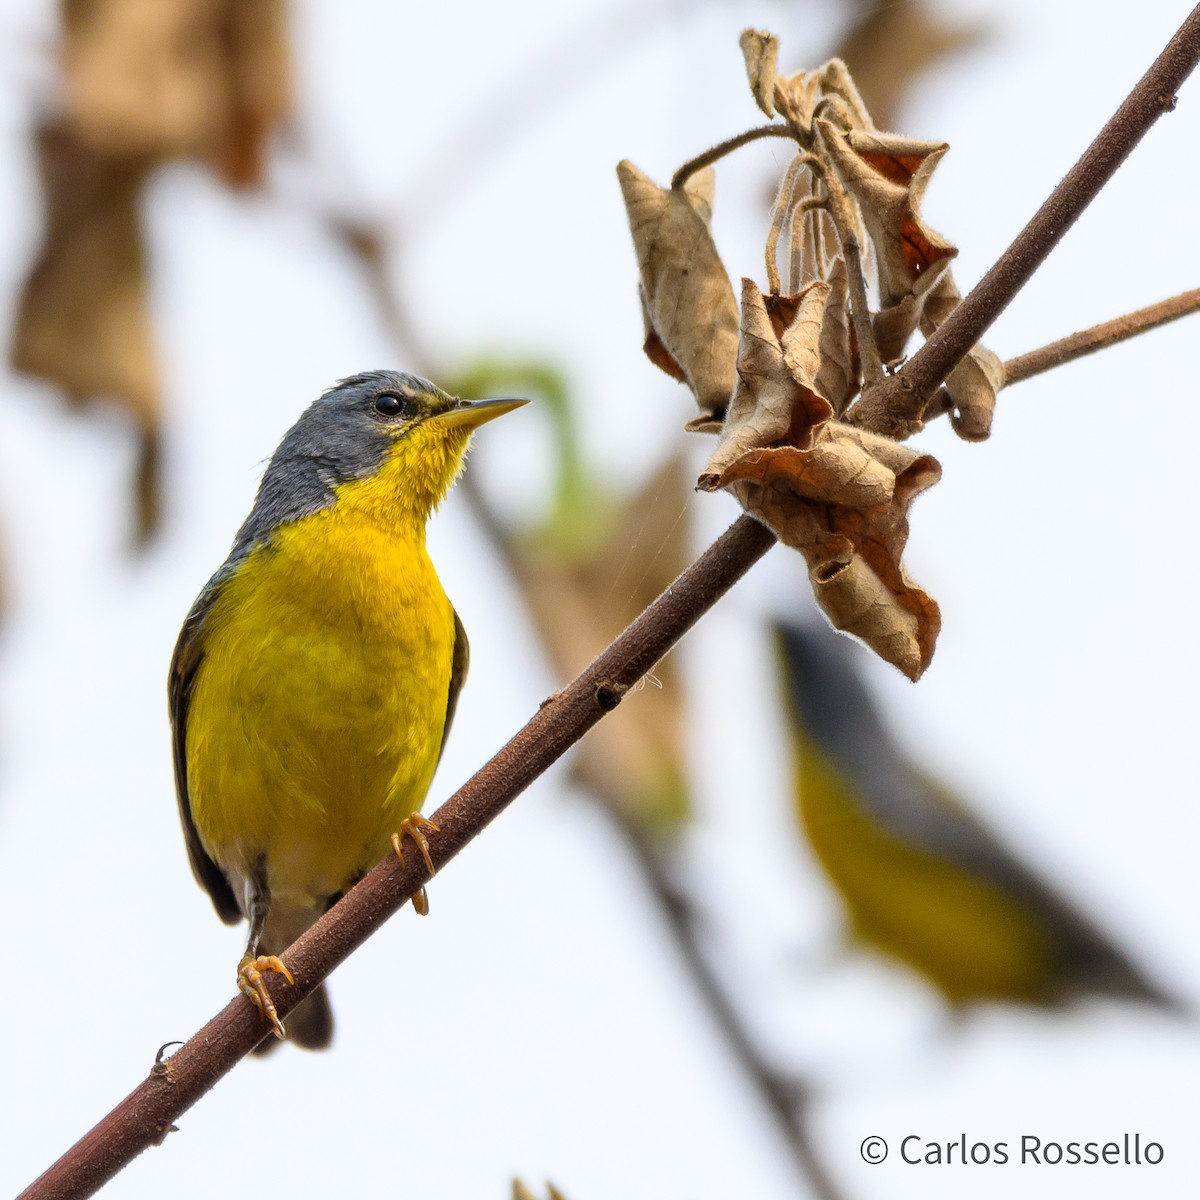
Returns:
(924,881)
(316,676)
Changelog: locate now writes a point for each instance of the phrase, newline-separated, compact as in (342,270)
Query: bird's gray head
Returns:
(348,434)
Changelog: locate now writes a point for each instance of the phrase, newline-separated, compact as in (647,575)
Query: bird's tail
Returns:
(309,1025)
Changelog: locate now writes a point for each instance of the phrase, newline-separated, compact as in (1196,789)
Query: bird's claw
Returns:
(415,827)
(250,981)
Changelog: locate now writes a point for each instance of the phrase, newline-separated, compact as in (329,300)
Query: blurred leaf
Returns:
(891,45)
(205,79)
(586,569)
(578,520)
(634,758)
(83,321)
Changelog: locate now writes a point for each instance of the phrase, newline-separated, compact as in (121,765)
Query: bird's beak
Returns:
(470,415)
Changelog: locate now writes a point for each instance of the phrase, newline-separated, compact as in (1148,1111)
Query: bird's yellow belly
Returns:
(317,713)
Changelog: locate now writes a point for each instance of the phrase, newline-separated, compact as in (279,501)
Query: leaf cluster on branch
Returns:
(774,375)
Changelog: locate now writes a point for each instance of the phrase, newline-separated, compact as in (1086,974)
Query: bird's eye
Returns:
(390,405)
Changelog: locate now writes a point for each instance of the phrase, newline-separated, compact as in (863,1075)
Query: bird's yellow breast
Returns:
(317,713)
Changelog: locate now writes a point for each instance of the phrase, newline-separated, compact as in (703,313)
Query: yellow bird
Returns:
(923,879)
(316,675)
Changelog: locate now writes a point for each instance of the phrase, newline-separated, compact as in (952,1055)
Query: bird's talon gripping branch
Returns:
(420,903)
(250,981)
(415,827)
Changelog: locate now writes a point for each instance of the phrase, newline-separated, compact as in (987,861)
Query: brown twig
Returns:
(721,149)
(1088,341)
(1079,345)
(895,405)
(143,1117)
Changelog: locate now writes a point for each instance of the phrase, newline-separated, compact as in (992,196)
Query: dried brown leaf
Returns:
(761,52)
(887,176)
(974,383)
(837,494)
(775,401)
(837,377)
(688,299)
(854,538)
(83,320)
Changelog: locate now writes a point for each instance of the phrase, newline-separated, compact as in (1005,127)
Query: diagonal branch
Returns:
(174,1085)
(895,405)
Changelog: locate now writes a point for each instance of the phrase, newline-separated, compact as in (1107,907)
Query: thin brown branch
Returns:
(1079,345)
(173,1086)
(895,405)
(1088,341)
(783,1096)
(721,149)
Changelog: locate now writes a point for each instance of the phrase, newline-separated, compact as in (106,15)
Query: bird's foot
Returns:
(250,981)
(415,827)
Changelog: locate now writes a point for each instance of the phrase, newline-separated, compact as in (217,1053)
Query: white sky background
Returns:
(538,1022)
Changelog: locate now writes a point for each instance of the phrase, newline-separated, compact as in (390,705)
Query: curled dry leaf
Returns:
(837,377)
(687,299)
(83,321)
(973,384)
(887,176)
(837,494)
(775,401)
(761,52)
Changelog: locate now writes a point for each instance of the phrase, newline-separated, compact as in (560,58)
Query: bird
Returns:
(315,678)
(925,881)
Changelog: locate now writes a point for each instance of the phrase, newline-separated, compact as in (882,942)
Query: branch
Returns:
(895,405)
(1077,345)
(728,146)
(174,1085)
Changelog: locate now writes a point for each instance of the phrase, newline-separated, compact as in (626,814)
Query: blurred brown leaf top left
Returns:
(141,85)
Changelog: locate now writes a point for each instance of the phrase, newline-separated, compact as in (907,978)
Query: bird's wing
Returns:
(189,651)
(459,664)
